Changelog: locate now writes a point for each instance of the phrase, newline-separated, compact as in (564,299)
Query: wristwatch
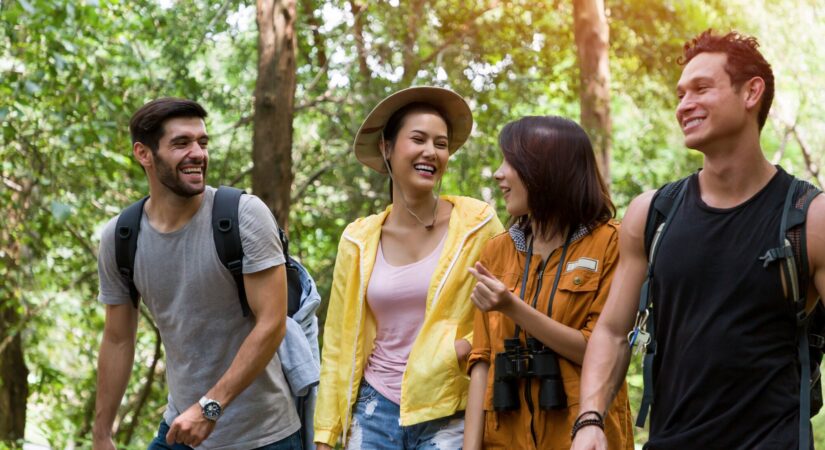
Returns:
(211,409)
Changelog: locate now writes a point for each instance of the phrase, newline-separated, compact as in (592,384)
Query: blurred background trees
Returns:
(287,83)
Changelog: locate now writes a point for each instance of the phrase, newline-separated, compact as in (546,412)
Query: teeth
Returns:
(191,171)
(425,168)
(693,122)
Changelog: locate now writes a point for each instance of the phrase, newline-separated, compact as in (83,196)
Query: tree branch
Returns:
(807,155)
(306,184)
(221,12)
(323,98)
(463,29)
(240,177)
(358,30)
(150,379)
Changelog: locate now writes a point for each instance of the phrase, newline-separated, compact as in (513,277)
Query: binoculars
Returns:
(534,360)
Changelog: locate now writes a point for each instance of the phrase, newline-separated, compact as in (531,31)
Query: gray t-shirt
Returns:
(194,302)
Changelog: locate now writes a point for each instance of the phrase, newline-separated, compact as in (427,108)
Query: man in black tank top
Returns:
(725,367)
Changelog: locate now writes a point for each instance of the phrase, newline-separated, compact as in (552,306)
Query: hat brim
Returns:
(456,109)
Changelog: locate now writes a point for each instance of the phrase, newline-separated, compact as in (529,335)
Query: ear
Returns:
(143,154)
(386,148)
(753,91)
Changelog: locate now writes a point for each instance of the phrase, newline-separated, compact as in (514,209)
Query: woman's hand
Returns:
(319,446)
(490,294)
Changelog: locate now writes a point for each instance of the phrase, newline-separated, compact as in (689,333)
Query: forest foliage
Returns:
(73,72)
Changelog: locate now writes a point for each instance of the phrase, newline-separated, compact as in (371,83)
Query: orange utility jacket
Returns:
(585,281)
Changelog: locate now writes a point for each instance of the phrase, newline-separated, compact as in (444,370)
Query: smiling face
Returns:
(181,160)
(710,108)
(512,189)
(418,155)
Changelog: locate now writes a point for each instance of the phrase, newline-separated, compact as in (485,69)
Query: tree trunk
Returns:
(592,38)
(411,60)
(14,387)
(358,31)
(274,106)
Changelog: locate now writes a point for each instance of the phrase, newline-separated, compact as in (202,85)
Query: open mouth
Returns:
(192,172)
(425,169)
(692,123)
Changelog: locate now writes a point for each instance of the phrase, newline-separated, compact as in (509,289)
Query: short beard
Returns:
(168,177)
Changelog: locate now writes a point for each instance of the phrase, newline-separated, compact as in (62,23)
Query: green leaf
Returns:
(60,211)
(27,6)
(32,87)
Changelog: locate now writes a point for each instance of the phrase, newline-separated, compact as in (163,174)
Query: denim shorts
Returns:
(292,442)
(376,425)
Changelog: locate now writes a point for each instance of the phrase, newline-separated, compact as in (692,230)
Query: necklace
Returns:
(435,212)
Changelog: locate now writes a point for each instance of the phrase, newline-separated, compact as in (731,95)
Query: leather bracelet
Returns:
(581,423)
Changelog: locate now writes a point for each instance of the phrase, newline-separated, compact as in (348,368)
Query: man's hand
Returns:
(490,294)
(322,447)
(590,438)
(190,428)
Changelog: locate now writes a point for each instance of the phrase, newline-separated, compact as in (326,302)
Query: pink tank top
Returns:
(397,297)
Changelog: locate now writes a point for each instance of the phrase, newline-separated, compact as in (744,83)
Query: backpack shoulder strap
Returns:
(793,243)
(662,209)
(294,285)
(795,213)
(227,236)
(126,235)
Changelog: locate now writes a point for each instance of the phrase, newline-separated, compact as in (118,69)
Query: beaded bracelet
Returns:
(581,423)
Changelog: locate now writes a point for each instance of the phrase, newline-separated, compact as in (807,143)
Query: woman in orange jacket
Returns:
(541,286)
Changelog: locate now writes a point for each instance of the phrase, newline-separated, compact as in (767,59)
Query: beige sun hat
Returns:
(454,107)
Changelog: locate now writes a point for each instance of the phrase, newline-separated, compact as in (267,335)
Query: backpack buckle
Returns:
(774,254)
(816,341)
(224,225)
(124,232)
(235,266)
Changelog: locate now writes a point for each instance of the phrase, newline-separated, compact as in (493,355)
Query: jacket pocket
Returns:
(579,280)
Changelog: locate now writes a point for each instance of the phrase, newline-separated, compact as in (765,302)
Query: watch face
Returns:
(212,410)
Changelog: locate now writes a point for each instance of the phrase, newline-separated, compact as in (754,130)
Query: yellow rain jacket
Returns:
(434,385)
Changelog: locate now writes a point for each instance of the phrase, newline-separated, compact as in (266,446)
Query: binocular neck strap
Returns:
(538,288)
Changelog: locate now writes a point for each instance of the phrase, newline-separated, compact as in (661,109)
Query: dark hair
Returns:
(146,125)
(555,161)
(744,62)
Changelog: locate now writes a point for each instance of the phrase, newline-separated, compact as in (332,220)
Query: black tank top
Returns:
(725,371)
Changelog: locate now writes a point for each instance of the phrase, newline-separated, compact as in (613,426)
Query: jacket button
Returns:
(577,281)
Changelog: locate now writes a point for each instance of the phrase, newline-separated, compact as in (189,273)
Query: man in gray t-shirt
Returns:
(226,386)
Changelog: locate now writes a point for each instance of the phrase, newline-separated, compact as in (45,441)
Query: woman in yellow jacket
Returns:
(400,319)
(541,287)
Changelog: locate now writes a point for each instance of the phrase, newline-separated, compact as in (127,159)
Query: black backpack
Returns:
(227,237)
(791,252)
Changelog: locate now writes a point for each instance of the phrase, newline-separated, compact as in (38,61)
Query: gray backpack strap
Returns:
(226,233)
(126,235)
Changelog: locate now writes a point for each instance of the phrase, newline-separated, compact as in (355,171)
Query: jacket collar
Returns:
(467,214)
(519,236)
